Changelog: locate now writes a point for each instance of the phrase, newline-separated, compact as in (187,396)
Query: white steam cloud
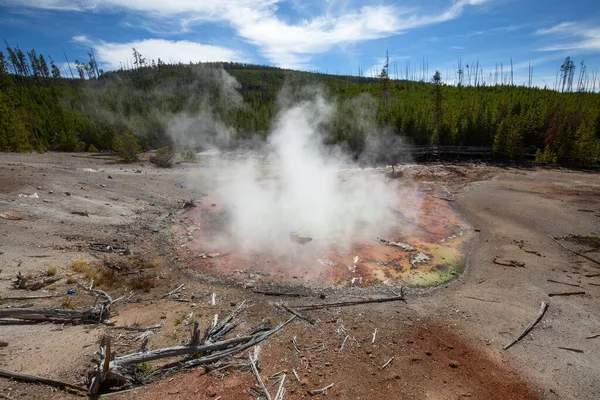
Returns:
(305,188)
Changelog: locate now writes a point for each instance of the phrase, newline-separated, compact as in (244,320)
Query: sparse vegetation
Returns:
(162,158)
(51,270)
(188,155)
(143,282)
(143,368)
(68,305)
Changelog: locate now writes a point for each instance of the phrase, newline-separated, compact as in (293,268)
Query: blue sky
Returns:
(334,36)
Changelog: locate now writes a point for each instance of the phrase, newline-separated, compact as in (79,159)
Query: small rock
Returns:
(428,353)
(39,188)
(110,177)
(102,185)
(454,364)
(68,193)
(51,192)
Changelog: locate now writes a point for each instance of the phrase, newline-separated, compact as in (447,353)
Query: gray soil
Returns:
(446,342)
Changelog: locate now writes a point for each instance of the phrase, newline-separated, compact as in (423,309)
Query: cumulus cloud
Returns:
(283,42)
(111,55)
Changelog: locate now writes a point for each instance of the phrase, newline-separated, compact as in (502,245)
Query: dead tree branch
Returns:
(297,314)
(18,376)
(565,294)
(575,252)
(258,378)
(529,327)
(352,303)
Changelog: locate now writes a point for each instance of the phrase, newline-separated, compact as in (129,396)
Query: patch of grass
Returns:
(68,305)
(71,280)
(79,265)
(143,368)
(30,275)
(101,275)
(144,283)
(51,270)
(162,158)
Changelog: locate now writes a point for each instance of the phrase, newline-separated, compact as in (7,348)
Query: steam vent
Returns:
(423,245)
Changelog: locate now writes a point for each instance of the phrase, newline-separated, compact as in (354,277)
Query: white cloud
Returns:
(112,55)
(283,43)
(575,36)
(563,27)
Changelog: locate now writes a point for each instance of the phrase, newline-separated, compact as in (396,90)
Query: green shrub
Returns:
(93,149)
(126,145)
(163,157)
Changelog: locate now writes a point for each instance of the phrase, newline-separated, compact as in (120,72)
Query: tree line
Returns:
(151,104)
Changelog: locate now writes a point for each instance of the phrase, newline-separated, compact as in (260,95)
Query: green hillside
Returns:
(199,104)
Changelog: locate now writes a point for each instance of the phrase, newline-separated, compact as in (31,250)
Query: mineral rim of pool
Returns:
(430,253)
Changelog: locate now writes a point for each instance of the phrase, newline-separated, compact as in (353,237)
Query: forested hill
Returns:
(222,104)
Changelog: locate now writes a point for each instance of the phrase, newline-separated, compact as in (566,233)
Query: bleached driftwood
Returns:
(115,368)
(528,328)
(19,376)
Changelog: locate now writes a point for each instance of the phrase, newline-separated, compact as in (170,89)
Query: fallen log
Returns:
(138,329)
(529,327)
(116,368)
(51,314)
(31,297)
(575,252)
(22,282)
(271,293)
(18,376)
(351,303)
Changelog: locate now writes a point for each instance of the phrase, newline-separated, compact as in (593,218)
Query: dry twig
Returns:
(258,378)
(562,283)
(529,327)
(319,391)
(575,252)
(384,366)
(565,293)
(571,349)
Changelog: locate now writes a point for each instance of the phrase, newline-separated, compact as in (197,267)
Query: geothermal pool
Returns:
(423,245)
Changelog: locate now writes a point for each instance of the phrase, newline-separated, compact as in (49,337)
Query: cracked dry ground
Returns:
(446,342)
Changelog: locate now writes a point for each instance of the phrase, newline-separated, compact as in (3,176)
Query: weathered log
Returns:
(17,298)
(51,314)
(178,351)
(22,282)
(351,303)
(18,376)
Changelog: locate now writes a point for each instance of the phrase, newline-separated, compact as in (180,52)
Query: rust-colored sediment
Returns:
(438,234)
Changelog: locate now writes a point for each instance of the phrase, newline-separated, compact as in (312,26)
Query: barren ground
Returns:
(446,341)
